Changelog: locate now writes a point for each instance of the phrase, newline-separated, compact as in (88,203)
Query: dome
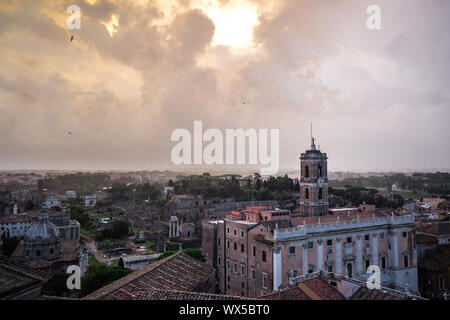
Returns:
(42,230)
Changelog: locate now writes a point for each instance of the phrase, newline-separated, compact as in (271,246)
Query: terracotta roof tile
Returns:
(178,272)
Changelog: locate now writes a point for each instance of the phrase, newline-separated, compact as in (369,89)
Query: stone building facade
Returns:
(252,259)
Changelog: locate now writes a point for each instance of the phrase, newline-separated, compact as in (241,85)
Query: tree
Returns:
(78,214)
(57,285)
(101,276)
(258,184)
(166,254)
(195,253)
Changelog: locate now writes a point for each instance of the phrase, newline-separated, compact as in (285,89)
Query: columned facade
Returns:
(338,256)
(173,227)
(319,254)
(358,254)
(305,258)
(276,268)
(374,249)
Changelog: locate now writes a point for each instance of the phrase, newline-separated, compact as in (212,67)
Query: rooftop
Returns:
(178,272)
(311,289)
(438,228)
(17,278)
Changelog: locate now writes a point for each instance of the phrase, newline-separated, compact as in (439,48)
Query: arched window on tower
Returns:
(320,193)
(306,172)
(320,170)
(306,194)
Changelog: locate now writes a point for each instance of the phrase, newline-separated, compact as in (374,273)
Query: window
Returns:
(310,244)
(52,251)
(254,251)
(264,256)
(383,262)
(349,240)
(264,280)
(306,193)
(235,245)
(218,260)
(367,263)
(441,283)
(329,243)
(218,241)
(382,235)
(235,232)
(243,286)
(228,230)
(235,267)
(228,265)
(320,193)
(405,261)
(242,248)
(242,269)
(405,234)
(292,250)
(242,233)
(330,268)
(366,237)
(228,244)
(306,172)
(253,274)
(38,253)
(320,170)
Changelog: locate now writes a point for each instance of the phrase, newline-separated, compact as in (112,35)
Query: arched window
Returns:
(349,270)
(306,172)
(320,170)
(306,193)
(320,193)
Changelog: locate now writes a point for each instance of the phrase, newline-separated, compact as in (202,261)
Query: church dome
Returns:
(43,230)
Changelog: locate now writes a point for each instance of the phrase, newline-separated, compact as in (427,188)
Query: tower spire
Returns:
(313,146)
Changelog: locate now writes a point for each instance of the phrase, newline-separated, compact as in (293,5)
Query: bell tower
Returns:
(313,182)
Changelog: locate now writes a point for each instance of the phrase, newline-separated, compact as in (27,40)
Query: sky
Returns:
(136,71)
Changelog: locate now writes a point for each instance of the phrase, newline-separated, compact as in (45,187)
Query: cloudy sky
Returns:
(137,70)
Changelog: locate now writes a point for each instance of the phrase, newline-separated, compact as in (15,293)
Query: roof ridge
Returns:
(12,263)
(308,291)
(196,293)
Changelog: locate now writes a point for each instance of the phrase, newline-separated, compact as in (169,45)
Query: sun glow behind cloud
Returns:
(112,25)
(233,22)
